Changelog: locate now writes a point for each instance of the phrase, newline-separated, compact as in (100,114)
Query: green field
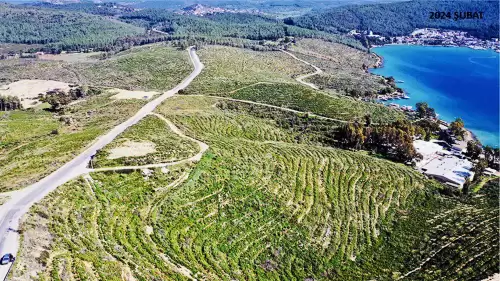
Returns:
(156,67)
(35,143)
(258,206)
(168,145)
(228,69)
(342,66)
(302,98)
(271,199)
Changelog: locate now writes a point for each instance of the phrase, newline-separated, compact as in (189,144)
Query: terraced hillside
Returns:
(257,206)
(463,242)
(228,69)
(301,98)
(268,77)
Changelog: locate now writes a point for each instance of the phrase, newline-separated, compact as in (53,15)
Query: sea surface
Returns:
(456,82)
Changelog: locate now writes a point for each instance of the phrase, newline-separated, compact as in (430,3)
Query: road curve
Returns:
(22,200)
(301,78)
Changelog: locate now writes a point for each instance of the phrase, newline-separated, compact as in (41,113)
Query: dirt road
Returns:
(301,78)
(22,200)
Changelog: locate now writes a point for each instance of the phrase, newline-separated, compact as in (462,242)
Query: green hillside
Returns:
(30,25)
(262,205)
(402,18)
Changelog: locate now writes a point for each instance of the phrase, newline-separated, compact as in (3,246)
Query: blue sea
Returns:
(457,82)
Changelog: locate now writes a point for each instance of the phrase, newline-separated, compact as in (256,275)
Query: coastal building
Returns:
(450,170)
(443,165)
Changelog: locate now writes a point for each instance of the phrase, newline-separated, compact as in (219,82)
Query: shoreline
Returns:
(425,45)
(380,64)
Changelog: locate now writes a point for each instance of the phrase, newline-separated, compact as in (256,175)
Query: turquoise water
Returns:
(457,82)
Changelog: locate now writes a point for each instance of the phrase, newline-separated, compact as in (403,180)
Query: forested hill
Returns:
(401,18)
(226,25)
(31,25)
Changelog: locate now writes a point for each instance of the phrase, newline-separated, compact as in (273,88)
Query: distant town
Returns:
(431,36)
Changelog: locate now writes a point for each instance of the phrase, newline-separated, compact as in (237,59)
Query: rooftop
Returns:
(449,168)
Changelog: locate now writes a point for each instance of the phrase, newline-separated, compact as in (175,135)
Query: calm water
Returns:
(457,82)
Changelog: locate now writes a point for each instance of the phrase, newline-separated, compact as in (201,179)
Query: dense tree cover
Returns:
(394,141)
(29,25)
(474,149)
(104,9)
(395,19)
(82,26)
(59,98)
(245,26)
(10,103)
(492,155)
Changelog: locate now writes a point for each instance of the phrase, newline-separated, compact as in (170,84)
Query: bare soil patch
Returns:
(132,149)
(28,90)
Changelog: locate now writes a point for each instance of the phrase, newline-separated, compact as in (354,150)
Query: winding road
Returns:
(301,78)
(20,201)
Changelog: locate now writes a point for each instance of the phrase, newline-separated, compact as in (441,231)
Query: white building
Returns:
(450,170)
(438,163)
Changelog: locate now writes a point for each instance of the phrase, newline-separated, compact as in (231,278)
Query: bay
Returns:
(456,81)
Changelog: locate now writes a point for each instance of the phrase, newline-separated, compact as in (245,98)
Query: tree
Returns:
(10,103)
(473,149)
(424,111)
(489,155)
(57,99)
(457,128)
(479,168)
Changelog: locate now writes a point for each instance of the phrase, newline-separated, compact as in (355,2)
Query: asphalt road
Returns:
(22,200)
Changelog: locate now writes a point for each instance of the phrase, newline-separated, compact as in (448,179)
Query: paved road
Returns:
(22,200)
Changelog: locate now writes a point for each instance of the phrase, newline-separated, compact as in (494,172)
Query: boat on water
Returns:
(405,97)
(400,81)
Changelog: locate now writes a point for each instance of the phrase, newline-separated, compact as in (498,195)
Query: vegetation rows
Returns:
(257,206)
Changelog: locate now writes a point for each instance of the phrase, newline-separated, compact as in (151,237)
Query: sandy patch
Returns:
(132,149)
(124,94)
(28,90)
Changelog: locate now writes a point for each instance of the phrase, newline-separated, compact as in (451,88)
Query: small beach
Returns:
(457,82)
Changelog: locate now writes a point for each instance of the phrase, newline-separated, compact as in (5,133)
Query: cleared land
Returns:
(268,77)
(35,143)
(228,69)
(342,66)
(269,200)
(156,67)
(28,90)
(148,142)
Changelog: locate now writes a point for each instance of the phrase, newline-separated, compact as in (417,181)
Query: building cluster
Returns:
(202,10)
(432,36)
